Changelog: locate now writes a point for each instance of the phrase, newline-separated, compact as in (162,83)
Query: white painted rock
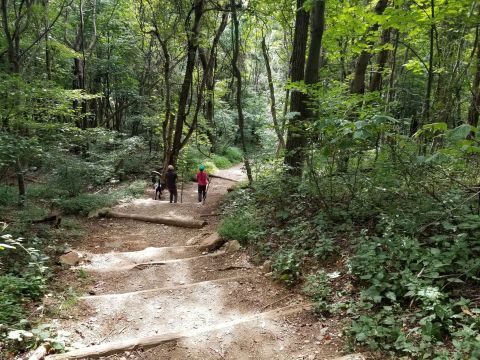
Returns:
(232,246)
(72,258)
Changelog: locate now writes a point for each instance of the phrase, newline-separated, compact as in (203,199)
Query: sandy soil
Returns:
(186,292)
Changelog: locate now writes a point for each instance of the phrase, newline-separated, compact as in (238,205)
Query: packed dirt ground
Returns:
(183,302)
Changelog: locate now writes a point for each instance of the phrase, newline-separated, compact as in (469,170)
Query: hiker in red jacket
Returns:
(202,180)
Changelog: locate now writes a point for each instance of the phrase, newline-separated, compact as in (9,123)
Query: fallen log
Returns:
(166,220)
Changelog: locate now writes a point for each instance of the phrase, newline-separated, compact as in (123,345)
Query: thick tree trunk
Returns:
(295,144)
(273,110)
(192,47)
(238,76)
(357,85)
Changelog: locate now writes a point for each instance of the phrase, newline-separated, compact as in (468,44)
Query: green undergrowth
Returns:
(192,157)
(378,248)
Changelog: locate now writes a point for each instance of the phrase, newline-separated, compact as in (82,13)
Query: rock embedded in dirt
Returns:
(232,246)
(213,242)
(72,258)
(267,266)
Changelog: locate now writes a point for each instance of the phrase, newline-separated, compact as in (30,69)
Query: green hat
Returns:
(202,167)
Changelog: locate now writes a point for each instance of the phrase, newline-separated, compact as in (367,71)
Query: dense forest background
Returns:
(356,121)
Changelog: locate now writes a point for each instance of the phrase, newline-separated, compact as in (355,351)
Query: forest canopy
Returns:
(356,122)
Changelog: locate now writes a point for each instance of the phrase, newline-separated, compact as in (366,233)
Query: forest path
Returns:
(191,305)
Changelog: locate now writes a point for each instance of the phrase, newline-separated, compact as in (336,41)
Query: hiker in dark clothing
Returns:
(171,179)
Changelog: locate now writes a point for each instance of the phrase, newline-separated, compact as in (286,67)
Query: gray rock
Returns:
(72,258)
(232,246)
(267,266)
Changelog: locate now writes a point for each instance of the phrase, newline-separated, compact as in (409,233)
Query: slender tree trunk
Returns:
(273,110)
(474,109)
(48,60)
(192,47)
(357,85)
(238,76)
(377,77)
(209,65)
(428,95)
(295,144)
(391,82)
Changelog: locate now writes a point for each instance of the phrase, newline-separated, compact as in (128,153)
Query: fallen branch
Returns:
(180,222)
(276,301)
(233,267)
(146,265)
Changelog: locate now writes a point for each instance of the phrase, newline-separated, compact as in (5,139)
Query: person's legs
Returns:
(172,194)
(175,195)
(199,193)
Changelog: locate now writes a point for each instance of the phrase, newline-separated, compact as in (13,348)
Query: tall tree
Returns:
(357,86)
(296,139)
(192,46)
(273,110)
(238,77)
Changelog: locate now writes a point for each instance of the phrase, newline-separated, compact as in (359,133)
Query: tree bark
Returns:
(295,144)
(474,108)
(357,85)
(238,76)
(273,110)
(377,77)
(192,47)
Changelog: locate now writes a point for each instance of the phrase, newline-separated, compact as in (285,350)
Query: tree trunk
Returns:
(295,144)
(22,193)
(192,47)
(238,76)
(474,109)
(357,85)
(428,95)
(377,77)
(273,110)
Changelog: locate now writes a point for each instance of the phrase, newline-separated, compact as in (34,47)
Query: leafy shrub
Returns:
(233,154)
(323,248)
(287,265)
(240,225)
(71,178)
(8,195)
(221,162)
(15,292)
(84,203)
(318,288)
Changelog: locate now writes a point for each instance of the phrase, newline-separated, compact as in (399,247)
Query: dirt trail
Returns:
(192,305)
